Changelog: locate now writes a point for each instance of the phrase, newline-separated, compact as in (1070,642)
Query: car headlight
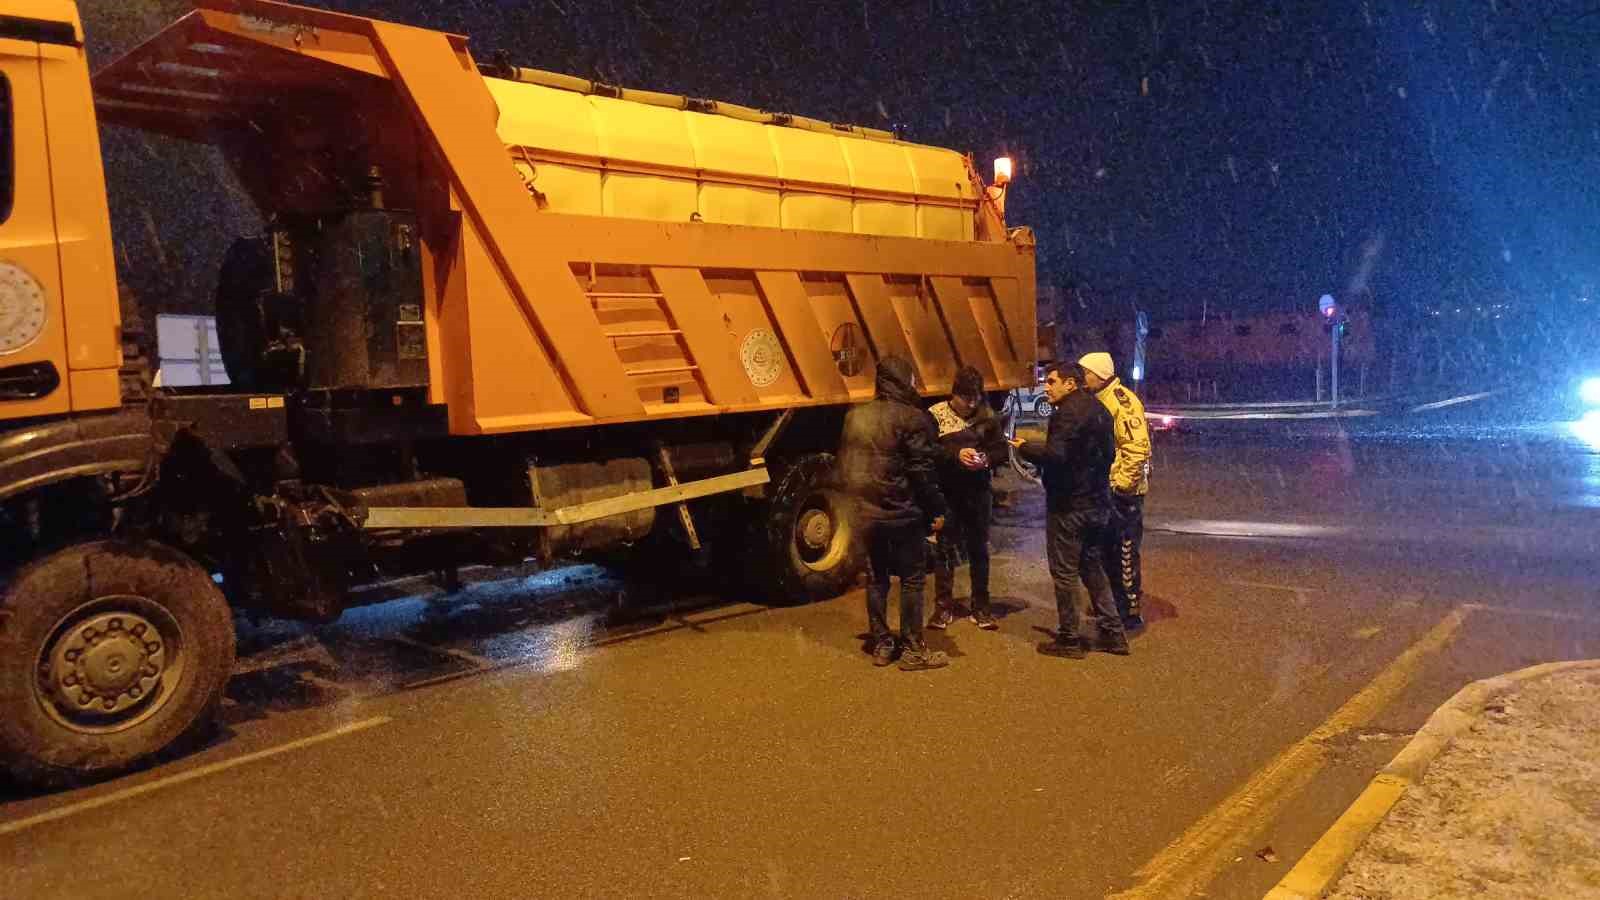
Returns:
(1589,392)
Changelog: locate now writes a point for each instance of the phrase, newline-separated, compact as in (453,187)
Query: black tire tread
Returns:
(34,747)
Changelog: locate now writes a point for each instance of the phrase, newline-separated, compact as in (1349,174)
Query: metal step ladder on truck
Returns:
(498,315)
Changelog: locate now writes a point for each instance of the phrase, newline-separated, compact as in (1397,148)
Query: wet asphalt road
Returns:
(554,735)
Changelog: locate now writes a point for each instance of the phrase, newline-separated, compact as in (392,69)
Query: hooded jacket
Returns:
(887,458)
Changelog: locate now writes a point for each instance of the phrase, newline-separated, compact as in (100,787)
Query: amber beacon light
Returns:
(1002,171)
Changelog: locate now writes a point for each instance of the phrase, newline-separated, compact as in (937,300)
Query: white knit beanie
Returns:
(1100,364)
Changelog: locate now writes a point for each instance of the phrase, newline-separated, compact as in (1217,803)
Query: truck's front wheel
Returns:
(109,653)
(810,534)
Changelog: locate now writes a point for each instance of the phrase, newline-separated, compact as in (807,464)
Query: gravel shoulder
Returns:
(1510,809)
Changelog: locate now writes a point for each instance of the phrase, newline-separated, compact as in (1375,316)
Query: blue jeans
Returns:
(896,551)
(1074,540)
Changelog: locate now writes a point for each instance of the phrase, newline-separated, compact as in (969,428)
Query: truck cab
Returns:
(60,325)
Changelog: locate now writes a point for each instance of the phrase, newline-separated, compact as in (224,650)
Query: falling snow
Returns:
(1254,147)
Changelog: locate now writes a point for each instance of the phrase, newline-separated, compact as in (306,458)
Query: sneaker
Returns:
(883,654)
(1069,649)
(920,658)
(984,619)
(942,618)
(1133,623)
(1116,645)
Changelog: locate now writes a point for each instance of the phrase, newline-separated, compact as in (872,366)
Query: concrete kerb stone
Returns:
(1317,871)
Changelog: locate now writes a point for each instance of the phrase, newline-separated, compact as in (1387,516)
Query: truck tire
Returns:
(813,546)
(110,652)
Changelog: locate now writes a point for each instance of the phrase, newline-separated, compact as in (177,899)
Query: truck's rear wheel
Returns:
(812,541)
(109,653)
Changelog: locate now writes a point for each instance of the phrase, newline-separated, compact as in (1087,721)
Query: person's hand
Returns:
(971,458)
(938,524)
(1017,442)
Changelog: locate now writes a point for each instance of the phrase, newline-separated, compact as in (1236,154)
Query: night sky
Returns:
(1237,154)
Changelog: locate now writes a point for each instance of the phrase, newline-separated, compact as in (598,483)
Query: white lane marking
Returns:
(1292,588)
(1536,613)
(1302,595)
(1453,401)
(480,662)
(1222,528)
(73,809)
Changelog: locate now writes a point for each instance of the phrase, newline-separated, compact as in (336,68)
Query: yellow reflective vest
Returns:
(1130,471)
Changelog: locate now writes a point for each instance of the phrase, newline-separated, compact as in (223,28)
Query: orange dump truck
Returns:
(497,315)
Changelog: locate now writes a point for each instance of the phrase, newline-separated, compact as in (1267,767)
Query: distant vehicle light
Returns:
(1587,429)
(1589,391)
(1002,170)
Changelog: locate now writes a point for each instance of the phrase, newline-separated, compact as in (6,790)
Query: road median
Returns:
(1319,870)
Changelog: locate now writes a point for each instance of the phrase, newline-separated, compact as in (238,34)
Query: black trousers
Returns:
(1074,541)
(966,532)
(896,551)
(1124,539)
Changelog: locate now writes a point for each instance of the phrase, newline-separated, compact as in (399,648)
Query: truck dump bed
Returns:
(673,158)
(588,258)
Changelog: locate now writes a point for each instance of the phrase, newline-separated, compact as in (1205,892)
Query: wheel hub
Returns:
(106,664)
(816,528)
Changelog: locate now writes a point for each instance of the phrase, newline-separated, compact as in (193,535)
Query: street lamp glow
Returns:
(1589,392)
(1002,170)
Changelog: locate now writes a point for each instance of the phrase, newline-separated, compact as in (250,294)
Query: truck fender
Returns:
(45,453)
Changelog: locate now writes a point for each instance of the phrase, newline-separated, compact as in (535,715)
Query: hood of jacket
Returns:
(894,381)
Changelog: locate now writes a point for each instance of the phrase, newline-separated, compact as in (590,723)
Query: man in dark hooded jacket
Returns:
(887,463)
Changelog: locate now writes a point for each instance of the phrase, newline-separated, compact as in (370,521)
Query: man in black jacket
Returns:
(972,442)
(886,462)
(1075,464)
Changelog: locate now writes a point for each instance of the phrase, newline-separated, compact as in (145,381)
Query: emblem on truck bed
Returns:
(22,308)
(846,349)
(762,356)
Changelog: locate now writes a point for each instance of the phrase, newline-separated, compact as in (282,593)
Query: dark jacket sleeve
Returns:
(992,441)
(920,442)
(1054,451)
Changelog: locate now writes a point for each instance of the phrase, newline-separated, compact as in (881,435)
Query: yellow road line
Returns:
(1192,861)
(73,809)
(1315,871)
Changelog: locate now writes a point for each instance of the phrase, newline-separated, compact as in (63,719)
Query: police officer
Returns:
(1130,482)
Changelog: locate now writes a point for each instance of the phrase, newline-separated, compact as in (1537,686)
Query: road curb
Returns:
(1321,866)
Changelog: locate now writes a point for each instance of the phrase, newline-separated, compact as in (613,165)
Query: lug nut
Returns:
(84,698)
(70,680)
(110,703)
(138,630)
(72,655)
(134,692)
(116,624)
(152,647)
